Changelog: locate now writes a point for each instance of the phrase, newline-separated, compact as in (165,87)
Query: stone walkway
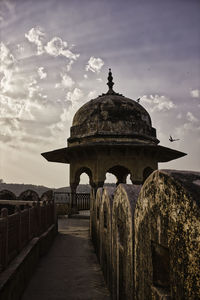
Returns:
(70,269)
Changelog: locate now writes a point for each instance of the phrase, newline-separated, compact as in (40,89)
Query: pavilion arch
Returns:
(110,178)
(82,170)
(74,182)
(120,173)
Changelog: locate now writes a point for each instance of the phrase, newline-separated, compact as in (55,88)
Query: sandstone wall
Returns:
(148,239)
(105,232)
(167,238)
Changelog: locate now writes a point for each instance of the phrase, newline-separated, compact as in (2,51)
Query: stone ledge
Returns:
(15,278)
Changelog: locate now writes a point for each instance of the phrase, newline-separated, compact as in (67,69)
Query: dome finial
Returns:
(110,82)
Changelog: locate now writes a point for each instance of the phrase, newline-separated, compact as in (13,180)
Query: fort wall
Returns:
(150,237)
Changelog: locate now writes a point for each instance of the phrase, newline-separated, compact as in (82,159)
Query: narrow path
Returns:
(70,269)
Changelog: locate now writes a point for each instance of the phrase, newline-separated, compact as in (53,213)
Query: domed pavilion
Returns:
(112,134)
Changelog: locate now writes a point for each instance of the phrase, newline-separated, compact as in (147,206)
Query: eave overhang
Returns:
(65,155)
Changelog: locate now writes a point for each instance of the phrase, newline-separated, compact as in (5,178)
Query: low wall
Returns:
(25,235)
(15,278)
(155,237)
(62,209)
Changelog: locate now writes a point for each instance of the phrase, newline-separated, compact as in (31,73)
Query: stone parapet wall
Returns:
(28,219)
(105,232)
(124,203)
(147,237)
(15,278)
(25,235)
(167,238)
(95,220)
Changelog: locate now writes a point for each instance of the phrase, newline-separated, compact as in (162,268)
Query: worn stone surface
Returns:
(70,270)
(112,134)
(113,114)
(62,209)
(96,220)
(7,195)
(14,279)
(124,203)
(47,196)
(29,195)
(105,232)
(167,237)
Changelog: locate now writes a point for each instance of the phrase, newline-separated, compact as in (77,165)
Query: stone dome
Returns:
(112,117)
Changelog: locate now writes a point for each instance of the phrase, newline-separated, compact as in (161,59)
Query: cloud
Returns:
(41,73)
(9,129)
(92,95)
(8,70)
(94,64)
(158,103)
(195,93)
(36,36)
(6,10)
(20,48)
(186,129)
(191,117)
(56,46)
(75,95)
(29,109)
(6,57)
(189,129)
(67,81)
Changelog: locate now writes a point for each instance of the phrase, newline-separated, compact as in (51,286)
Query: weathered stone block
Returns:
(124,203)
(106,234)
(167,237)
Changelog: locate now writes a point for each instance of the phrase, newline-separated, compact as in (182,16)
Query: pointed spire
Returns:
(110,82)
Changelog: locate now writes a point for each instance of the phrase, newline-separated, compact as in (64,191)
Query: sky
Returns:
(55,56)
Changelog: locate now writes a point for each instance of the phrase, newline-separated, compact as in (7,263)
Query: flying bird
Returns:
(172,140)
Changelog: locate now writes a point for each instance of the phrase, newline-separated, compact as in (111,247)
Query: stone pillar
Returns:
(94,212)
(73,199)
(121,178)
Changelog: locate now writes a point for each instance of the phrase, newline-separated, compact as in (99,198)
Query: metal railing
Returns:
(83,199)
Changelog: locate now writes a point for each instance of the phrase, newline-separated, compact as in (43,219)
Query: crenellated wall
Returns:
(147,237)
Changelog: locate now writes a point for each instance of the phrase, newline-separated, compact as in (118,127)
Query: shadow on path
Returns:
(70,269)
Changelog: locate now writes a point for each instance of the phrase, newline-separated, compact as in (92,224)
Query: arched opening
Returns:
(80,185)
(119,173)
(83,189)
(110,179)
(82,175)
(84,184)
(128,179)
(147,171)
